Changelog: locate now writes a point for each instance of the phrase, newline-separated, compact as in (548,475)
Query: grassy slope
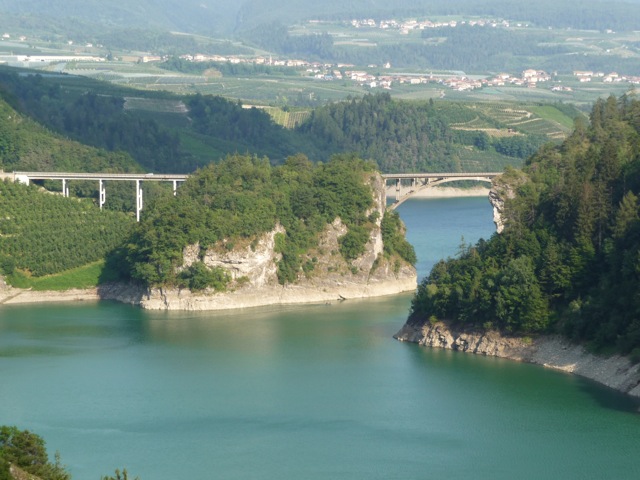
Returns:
(86,276)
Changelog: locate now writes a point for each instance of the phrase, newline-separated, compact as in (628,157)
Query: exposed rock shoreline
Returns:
(159,299)
(616,372)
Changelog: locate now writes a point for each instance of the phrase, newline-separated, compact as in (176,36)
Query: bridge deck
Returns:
(158,177)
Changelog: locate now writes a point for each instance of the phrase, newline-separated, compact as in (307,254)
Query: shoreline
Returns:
(550,351)
(449,192)
(185,300)
(19,296)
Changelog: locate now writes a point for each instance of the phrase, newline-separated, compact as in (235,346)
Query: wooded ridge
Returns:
(567,260)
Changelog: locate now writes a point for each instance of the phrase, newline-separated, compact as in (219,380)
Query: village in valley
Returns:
(530,78)
(371,76)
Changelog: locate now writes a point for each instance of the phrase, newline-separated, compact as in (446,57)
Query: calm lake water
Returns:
(304,392)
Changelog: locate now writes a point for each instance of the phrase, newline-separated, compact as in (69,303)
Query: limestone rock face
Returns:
(440,335)
(258,265)
(255,262)
(503,188)
(498,209)
(551,351)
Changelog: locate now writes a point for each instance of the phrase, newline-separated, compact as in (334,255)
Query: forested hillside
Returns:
(91,116)
(398,135)
(96,115)
(535,38)
(445,48)
(214,17)
(406,136)
(26,145)
(91,16)
(568,259)
(401,136)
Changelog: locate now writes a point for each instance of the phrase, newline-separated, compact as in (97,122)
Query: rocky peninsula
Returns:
(348,257)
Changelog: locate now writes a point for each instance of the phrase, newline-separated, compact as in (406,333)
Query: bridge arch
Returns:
(408,184)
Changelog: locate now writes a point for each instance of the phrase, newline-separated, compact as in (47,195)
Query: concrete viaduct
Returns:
(404,185)
(101,178)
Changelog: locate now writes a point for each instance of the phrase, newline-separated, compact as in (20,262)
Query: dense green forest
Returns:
(568,259)
(91,118)
(406,136)
(101,120)
(26,145)
(248,130)
(398,135)
(42,233)
(234,202)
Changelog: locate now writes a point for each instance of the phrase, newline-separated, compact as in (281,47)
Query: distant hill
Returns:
(592,14)
(195,16)
(221,17)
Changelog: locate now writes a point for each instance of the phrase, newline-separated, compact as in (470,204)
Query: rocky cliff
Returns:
(504,188)
(554,352)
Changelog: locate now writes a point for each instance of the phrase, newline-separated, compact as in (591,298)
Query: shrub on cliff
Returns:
(394,240)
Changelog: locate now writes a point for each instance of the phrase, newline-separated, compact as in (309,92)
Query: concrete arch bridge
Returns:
(403,186)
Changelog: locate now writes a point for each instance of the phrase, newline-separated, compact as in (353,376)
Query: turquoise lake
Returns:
(302,392)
